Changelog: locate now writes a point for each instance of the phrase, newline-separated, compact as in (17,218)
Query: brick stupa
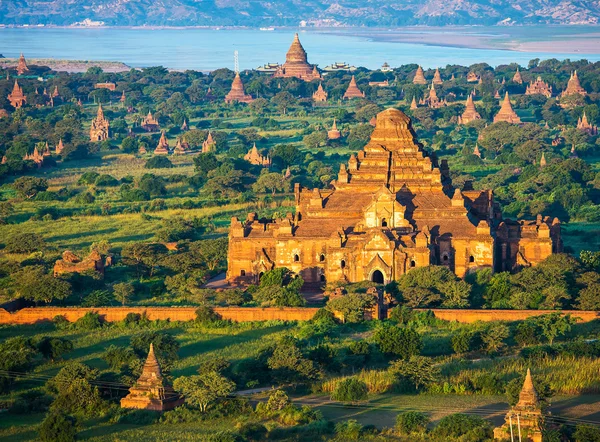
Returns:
(151,391)
(182,147)
(584,125)
(59,147)
(150,124)
(163,145)
(16,97)
(334,133)
(237,92)
(433,101)
(353,91)
(525,417)
(209,144)
(99,129)
(437,78)
(517,78)
(413,103)
(22,66)
(296,64)
(320,95)
(254,157)
(539,87)
(419,76)
(574,86)
(506,112)
(470,113)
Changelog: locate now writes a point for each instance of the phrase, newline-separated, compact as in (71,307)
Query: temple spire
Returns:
(506,112)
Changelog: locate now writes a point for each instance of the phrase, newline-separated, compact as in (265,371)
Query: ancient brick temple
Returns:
(181,147)
(16,97)
(353,91)
(539,87)
(151,391)
(524,421)
(296,64)
(320,95)
(150,124)
(22,66)
(71,263)
(506,112)
(334,133)
(584,125)
(162,148)
(470,113)
(574,86)
(517,78)
(237,92)
(433,101)
(99,129)
(391,209)
(437,78)
(209,145)
(419,76)
(255,157)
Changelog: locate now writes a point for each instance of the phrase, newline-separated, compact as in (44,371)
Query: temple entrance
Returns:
(377,277)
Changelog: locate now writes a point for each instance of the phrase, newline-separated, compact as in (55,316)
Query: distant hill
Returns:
(291,12)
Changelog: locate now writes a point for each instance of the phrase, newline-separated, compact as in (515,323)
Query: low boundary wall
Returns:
(32,315)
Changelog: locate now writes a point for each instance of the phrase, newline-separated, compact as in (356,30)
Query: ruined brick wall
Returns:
(469,316)
(111,314)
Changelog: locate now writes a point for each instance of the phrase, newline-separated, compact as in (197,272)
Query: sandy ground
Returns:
(69,65)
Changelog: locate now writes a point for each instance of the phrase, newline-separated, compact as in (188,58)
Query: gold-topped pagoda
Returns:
(17,98)
(149,123)
(99,129)
(209,144)
(437,78)
(584,125)
(517,78)
(334,133)
(391,209)
(296,64)
(151,391)
(163,145)
(419,76)
(353,91)
(470,113)
(255,157)
(237,92)
(320,95)
(539,87)
(22,65)
(574,86)
(506,112)
(525,419)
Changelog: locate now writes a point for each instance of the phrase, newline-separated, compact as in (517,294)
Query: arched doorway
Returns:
(377,277)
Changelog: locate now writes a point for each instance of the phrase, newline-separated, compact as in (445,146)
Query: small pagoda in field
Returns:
(237,92)
(59,147)
(320,95)
(254,157)
(150,124)
(151,391)
(524,421)
(539,87)
(517,78)
(99,129)
(209,144)
(296,64)
(334,133)
(437,78)
(163,145)
(22,65)
(419,76)
(470,113)
(16,97)
(353,91)
(584,125)
(574,86)
(413,104)
(506,112)
(182,147)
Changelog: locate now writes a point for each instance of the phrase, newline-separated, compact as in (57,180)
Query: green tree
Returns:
(70,372)
(58,427)
(288,362)
(78,397)
(394,340)
(352,306)
(205,162)
(54,348)
(464,426)
(426,286)
(123,292)
(270,182)
(212,252)
(166,347)
(144,256)
(203,390)
(554,325)
(29,187)
(24,243)
(411,422)
(315,139)
(158,162)
(35,284)
(419,370)
(493,337)
(283,100)
(350,390)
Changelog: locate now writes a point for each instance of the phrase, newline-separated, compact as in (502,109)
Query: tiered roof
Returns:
(182,147)
(99,129)
(517,78)
(506,112)
(353,91)
(254,157)
(150,123)
(574,86)
(334,133)
(437,78)
(237,92)
(59,147)
(296,64)
(433,100)
(584,125)
(209,144)
(163,145)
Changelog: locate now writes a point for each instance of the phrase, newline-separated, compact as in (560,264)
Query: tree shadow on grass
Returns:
(586,407)
(81,234)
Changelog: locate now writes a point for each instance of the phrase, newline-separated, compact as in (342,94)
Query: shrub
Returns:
(253,431)
(456,425)
(350,390)
(401,314)
(206,315)
(54,348)
(586,433)
(394,340)
(411,422)
(158,162)
(24,243)
(89,321)
(58,427)
(60,322)
(527,333)
(349,430)
(106,181)
(117,357)
(278,401)
(462,341)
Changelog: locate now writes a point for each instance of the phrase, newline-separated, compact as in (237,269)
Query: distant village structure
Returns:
(391,209)
(99,129)
(296,64)
(419,76)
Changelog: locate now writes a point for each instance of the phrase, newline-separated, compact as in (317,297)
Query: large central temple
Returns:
(296,64)
(391,209)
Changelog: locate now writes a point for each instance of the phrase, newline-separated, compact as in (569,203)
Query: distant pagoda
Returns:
(517,77)
(16,97)
(413,104)
(584,125)
(320,95)
(543,162)
(99,129)
(506,112)
(574,86)
(59,147)
(184,125)
(470,113)
(163,145)
(525,418)
(36,157)
(476,151)
(150,124)
(353,91)
(433,101)
(419,76)
(55,93)
(254,157)
(472,77)
(123,98)
(539,87)
(22,66)
(437,78)
(151,391)
(209,144)
(334,133)
(296,64)
(237,92)
(182,147)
